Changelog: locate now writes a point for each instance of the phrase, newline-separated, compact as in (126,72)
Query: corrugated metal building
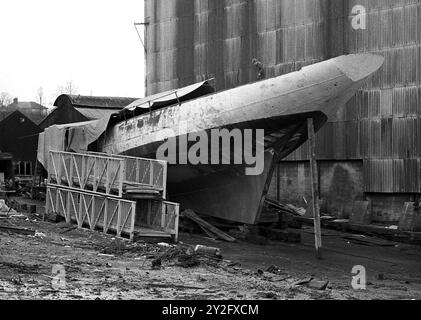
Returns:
(372,149)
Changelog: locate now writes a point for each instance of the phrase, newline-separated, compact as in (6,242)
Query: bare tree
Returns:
(5,99)
(69,88)
(40,95)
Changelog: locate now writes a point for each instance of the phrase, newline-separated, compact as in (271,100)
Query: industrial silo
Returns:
(189,41)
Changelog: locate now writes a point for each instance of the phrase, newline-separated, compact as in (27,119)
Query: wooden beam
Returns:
(23,231)
(193,216)
(278,182)
(315,187)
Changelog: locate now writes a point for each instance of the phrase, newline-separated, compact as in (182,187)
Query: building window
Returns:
(23,168)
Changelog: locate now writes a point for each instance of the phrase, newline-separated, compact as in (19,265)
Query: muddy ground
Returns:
(100,266)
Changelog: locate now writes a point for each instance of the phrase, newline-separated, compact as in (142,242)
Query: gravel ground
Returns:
(98,266)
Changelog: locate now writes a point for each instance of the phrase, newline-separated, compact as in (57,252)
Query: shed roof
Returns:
(18,113)
(5,112)
(89,107)
(34,111)
(116,103)
(26,105)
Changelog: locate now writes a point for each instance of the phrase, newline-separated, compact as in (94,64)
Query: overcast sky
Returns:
(45,43)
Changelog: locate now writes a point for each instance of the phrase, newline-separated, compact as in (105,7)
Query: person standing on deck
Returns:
(260,69)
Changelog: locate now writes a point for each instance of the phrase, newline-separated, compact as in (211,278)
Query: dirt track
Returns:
(26,262)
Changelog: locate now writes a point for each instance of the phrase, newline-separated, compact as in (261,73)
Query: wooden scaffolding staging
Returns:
(115,194)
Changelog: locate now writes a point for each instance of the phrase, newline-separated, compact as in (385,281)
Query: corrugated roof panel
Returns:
(261,16)
(232,51)
(353,140)
(300,43)
(271,15)
(117,103)
(386,137)
(370,137)
(270,45)
(406,135)
(288,10)
(392,176)
(300,11)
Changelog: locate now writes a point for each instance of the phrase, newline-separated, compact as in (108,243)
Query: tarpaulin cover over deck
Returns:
(78,136)
(70,137)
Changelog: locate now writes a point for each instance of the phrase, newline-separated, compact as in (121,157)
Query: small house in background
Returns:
(72,109)
(34,111)
(19,138)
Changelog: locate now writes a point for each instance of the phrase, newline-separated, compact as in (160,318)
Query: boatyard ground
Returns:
(99,266)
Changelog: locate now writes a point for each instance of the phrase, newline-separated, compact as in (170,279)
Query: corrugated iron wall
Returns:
(382,123)
(191,40)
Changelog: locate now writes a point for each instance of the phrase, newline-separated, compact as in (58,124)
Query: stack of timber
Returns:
(115,194)
(380,231)
(256,234)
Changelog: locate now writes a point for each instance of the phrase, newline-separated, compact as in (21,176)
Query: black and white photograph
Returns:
(214,155)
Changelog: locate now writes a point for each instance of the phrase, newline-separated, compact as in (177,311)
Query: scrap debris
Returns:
(275,270)
(5,210)
(288,208)
(312,283)
(23,231)
(187,256)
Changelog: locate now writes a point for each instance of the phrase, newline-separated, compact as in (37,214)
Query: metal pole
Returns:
(314,187)
(136,24)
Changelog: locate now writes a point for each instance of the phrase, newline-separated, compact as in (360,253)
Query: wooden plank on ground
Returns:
(194,217)
(24,231)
